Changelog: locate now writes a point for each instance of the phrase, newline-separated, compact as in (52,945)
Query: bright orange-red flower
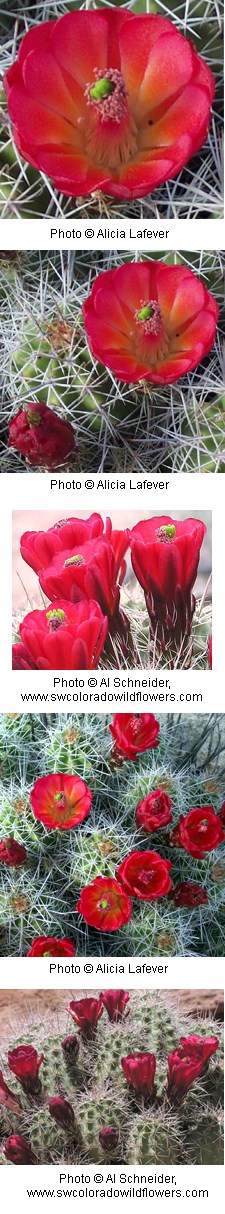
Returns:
(108,100)
(60,801)
(146,320)
(104,904)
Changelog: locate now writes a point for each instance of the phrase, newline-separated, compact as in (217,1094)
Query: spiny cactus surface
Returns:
(40,897)
(144,1132)
(117,427)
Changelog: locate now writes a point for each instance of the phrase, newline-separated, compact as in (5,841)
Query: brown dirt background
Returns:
(24,580)
(14,1004)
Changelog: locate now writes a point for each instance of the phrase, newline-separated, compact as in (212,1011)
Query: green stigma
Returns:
(74,560)
(169,531)
(146,313)
(103,905)
(102,88)
(57,615)
(33,418)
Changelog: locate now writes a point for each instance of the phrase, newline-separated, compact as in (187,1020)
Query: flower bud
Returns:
(62,1112)
(18,1150)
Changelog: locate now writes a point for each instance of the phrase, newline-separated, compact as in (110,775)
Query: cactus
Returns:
(41,896)
(100,1096)
(118,427)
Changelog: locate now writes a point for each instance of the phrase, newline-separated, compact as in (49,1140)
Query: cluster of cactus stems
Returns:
(198,188)
(84,1106)
(117,427)
(40,897)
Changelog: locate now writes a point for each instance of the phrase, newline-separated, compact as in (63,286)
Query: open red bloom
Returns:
(145,875)
(108,100)
(201,1047)
(146,320)
(201,831)
(104,904)
(154,811)
(48,946)
(165,556)
(139,1070)
(38,548)
(66,636)
(24,1063)
(17,1150)
(62,1112)
(86,1013)
(182,1071)
(133,734)
(188,893)
(109,1138)
(115,1003)
(12,853)
(60,801)
(42,436)
(85,568)
(8,1098)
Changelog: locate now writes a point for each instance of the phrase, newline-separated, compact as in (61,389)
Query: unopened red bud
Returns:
(62,1112)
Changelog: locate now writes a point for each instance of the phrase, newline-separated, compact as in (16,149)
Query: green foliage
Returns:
(40,898)
(100,1095)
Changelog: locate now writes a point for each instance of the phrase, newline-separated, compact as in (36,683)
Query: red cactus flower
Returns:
(38,548)
(104,904)
(210,652)
(188,893)
(93,569)
(139,1070)
(145,875)
(86,1013)
(62,1112)
(66,636)
(60,801)
(42,436)
(165,556)
(182,1072)
(201,1047)
(146,320)
(154,811)
(12,854)
(18,1150)
(23,1061)
(108,1138)
(133,735)
(8,1098)
(48,946)
(70,1048)
(115,1003)
(21,659)
(108,100)
(201,831)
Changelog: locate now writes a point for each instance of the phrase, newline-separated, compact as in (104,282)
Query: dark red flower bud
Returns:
(12,853)
(62,1112)
(165,556)
(183,1069)
(200,832)
(17,1150)
(86,1013)
(45,439)
(145,875)
(65,636)
(24,1063)
(188,893)
(154,811)
(7,1098)
(199,1047)
(133,734)
(48,946)
(115,1003)
(222,813)
(70,1047)
(139,1070)
(109,1139)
